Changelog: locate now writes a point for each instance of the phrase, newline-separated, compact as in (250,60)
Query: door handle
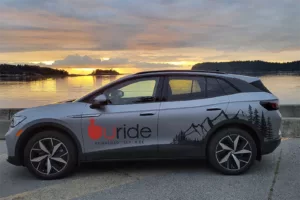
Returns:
(85,115)
(146,114)
(213,109)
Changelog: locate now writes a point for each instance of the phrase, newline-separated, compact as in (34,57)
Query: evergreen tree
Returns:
(250,116)
(175,140)
(182,136)
(269,129)
(263,125)
(256,119)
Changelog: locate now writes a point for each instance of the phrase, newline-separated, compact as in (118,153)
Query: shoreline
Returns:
(37,77)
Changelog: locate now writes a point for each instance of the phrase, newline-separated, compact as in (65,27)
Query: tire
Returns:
(50,155)
(228,158)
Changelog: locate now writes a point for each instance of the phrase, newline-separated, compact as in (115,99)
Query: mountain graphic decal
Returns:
(195,133)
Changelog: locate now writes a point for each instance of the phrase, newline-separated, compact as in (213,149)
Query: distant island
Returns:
(37,72)
(99,72)
(251,67)
(9,70)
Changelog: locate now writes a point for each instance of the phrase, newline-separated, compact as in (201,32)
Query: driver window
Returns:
(131,92)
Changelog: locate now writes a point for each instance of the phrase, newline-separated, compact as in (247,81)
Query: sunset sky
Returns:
(135,35)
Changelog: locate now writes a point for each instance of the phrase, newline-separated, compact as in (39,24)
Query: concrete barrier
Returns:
(290,127)
(290,111)
(290,120)
(4,124)
(5,116)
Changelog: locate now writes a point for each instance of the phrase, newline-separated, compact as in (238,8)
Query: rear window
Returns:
(260,85)
(213,88)
(228,89)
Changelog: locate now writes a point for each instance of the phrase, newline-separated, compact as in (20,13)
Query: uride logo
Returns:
(96,132)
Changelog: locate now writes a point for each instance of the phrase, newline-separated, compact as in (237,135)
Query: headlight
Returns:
(16,120)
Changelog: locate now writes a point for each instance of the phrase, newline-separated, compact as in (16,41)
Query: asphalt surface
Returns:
(277,176)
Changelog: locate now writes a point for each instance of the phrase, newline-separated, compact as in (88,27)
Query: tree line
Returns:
(35,70)
(30,70)
(249,66)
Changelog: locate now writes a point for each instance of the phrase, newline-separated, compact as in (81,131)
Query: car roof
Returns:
(248,79)
(179,71)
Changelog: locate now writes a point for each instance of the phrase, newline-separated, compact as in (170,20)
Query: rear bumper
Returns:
(270,146)
(14,160)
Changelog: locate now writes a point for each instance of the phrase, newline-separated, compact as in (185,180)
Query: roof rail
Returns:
(157,71)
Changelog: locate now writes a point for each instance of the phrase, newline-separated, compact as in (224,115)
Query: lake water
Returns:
(22,94)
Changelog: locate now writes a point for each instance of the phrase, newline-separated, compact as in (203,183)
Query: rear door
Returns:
(192,106)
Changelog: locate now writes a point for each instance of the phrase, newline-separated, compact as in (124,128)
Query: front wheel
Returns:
(50,155)
(232,151)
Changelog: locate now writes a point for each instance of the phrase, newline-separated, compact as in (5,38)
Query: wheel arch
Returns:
(36,128)
(237,123)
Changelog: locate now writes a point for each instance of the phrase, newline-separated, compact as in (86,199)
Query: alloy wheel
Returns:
(49,156)
(233,152)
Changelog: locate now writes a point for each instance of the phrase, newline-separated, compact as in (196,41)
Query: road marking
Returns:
(285,138)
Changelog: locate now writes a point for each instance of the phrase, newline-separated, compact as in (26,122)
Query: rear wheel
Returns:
(232,151)
(50,155)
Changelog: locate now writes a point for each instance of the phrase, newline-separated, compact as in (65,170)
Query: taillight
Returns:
(270,105)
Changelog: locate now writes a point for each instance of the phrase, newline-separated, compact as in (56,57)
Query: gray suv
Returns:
(232,120)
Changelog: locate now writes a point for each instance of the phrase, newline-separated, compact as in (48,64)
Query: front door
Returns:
(194,104)
(126,128)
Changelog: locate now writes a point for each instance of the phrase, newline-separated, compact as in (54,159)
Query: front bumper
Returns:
(270,146)
(11,141)
(14,160)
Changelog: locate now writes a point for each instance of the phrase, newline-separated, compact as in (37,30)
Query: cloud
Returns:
(77,60)
(87,61)
(118,25)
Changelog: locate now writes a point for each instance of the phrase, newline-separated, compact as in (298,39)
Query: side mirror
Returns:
(99,101)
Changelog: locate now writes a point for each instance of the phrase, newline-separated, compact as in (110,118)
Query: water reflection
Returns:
(48,85)
(286,88)
(23,93)
(19,93)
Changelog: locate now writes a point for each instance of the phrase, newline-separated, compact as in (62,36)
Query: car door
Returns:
(194,104)
(125,128)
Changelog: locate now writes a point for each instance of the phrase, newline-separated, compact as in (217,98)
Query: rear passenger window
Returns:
(228,89)
(185,88)
(182,88)
(213,88)
(179,86)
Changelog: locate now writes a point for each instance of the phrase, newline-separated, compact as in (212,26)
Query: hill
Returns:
(250,67)
(30,70)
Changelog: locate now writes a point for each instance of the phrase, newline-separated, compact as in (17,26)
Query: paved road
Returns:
(277,176)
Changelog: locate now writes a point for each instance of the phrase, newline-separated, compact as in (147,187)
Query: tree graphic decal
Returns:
(250,116)
(263,125)
(256,119)
(269,134)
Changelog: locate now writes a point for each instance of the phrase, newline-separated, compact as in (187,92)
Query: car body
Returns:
(152,115)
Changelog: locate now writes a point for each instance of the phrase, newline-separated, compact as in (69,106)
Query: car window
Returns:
(228,89)
(139,89)
(179,86)
(213,88)
(135,91)
(185,88)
